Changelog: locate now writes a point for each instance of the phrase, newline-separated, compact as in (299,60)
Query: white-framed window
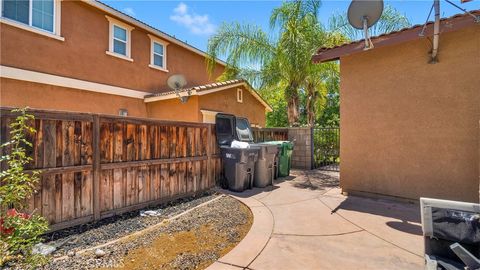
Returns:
(39,16)
(240,95)
(158,53)
(119,39)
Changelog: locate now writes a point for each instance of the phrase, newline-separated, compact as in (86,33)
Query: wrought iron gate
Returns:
(326,148)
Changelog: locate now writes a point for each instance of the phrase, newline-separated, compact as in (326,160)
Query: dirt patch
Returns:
(193,241)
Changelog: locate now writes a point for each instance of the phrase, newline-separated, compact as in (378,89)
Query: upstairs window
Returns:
(119,39)
(158,54)
(36,13)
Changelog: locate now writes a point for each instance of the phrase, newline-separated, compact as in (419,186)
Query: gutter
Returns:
(436,32)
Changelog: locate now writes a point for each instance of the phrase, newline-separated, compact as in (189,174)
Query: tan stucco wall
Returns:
(409,128)
(82,54)
(226,101)
(223,101)
(173,109)
(14,93)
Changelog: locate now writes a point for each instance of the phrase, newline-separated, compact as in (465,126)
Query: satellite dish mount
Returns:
(177,82)
(362,14)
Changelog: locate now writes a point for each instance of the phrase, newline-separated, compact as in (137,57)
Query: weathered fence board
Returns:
(94,166)
(270,134)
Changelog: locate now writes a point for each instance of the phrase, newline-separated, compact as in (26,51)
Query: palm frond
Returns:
(390,20)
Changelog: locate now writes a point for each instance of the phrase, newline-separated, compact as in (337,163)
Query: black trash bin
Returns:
(238,163)
(265,165)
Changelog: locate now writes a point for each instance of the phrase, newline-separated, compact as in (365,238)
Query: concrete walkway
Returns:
(303,222)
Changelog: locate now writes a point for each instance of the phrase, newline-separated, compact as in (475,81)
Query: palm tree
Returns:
(270,62)
(390,20)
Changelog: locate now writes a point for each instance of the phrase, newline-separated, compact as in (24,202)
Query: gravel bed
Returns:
(103,231)
(192,241)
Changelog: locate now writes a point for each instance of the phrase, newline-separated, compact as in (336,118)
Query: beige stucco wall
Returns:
(226,101)
(15,93)
(409,128)
(173,109)
(82,54)
(222,101)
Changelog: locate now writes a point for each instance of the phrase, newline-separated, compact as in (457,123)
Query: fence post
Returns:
(209,157)
(312,147)
(96,167)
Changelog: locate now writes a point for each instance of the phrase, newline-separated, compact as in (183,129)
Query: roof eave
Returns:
(447,25)
(152,98)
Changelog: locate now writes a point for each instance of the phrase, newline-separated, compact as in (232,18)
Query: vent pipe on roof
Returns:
(436,32)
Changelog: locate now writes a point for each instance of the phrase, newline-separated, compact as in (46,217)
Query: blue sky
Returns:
(195,21)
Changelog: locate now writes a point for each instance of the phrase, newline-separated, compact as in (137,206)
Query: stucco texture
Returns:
(408,128)
(82,54)
(15,93)
(226,101)
(222,101)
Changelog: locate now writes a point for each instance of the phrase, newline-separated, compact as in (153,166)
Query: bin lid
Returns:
(243,130)
(225,128)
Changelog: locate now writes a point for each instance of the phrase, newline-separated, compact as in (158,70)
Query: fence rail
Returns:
(95,166)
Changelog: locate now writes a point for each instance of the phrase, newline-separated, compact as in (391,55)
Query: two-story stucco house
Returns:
(85,56)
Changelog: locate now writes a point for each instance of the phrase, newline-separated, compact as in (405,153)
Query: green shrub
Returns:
(19,231)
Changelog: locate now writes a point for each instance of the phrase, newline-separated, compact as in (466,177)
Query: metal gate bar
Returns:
(326,148)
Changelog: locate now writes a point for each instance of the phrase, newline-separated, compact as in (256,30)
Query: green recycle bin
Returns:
(284,156)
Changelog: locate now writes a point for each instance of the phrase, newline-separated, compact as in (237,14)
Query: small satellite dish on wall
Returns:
(177,82)
(362,14)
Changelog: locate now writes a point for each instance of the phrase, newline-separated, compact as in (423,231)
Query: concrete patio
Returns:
(304,222)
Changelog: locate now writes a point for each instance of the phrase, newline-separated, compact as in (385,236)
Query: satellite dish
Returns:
(362,14)
(176,82)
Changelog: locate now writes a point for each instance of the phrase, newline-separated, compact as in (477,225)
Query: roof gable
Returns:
(208,89)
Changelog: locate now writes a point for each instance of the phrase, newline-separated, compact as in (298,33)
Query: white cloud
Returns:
(197,24)
(129,11)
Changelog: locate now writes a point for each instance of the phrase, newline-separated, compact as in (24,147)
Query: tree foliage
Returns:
(390,20)
(280,66)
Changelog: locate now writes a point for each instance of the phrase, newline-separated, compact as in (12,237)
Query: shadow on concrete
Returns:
(406,213)
(405,226)
(317,180)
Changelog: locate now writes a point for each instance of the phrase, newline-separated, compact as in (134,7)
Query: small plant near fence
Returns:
(19,230)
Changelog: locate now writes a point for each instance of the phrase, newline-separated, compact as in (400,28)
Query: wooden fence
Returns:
(270,134)
(95,166)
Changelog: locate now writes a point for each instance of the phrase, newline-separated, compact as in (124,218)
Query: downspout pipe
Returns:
(436,32)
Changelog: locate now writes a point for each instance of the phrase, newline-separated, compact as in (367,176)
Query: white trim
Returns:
(169,96)
(213,90)
(128,29)
(121,56)
(206,114)
(154,31)
(240,97)
(157,67)
(153,40)
(44,78)
(31,29)
(57,18)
